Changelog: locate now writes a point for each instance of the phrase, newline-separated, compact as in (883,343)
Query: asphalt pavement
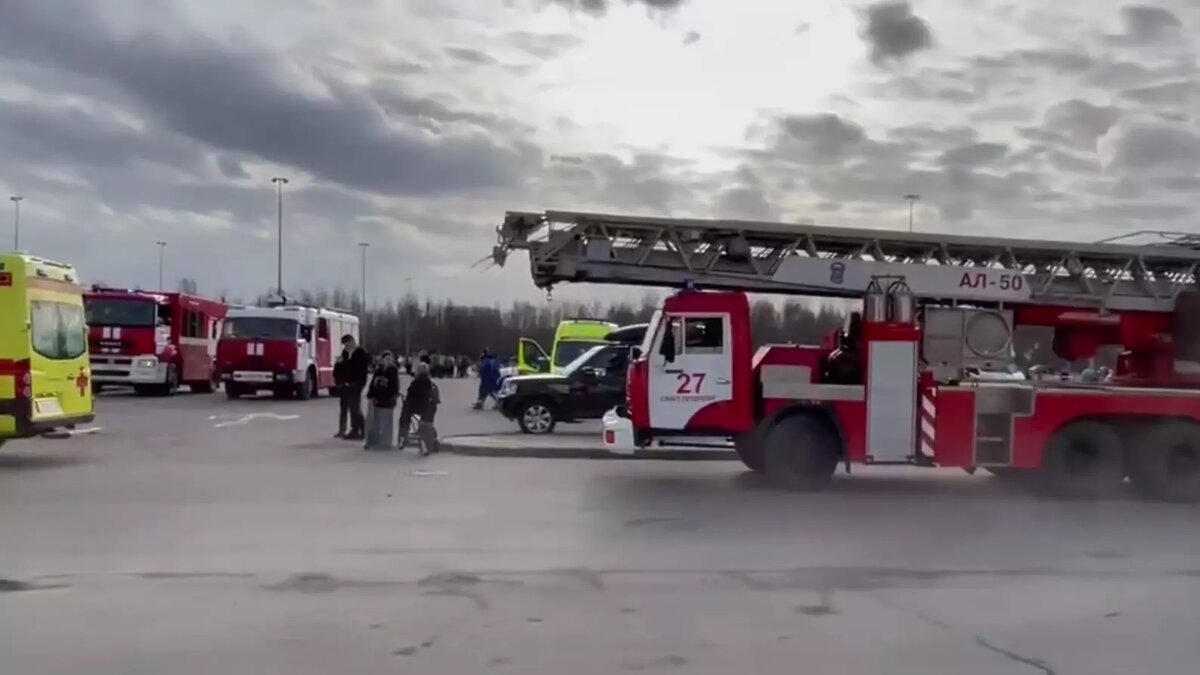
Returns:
(199,535)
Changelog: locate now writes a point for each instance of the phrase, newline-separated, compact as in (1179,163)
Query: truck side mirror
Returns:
(667,348)
(635,353)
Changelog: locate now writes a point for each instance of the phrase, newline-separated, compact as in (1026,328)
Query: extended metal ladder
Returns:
(811,260)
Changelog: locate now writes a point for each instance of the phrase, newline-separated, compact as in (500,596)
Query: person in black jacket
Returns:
(420,401)
(382,394)
(350,376)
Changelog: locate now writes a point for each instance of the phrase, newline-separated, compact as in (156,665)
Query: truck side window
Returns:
(192,322)
(322,329)
(704,335)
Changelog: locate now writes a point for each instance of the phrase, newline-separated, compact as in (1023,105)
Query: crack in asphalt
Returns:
(979,640)
(1027,660)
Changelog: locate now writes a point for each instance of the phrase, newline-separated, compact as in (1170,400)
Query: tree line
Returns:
(446,327)
(452,328)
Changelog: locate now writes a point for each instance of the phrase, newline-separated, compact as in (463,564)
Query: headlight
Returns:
(147,363)
(508,388)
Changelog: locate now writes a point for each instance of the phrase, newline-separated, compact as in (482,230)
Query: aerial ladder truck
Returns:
(896,385)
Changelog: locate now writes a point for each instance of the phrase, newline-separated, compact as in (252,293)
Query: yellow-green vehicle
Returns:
(45,381)
(572,338)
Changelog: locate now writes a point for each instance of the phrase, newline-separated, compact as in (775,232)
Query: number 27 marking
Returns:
(689,383)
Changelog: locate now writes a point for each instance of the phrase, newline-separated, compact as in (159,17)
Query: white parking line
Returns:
(240,420)
(68,433)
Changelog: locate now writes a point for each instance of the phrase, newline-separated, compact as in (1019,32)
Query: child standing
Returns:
(382,394)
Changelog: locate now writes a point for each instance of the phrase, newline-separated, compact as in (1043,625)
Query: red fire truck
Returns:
(154,342)
(924,373)
(283,348)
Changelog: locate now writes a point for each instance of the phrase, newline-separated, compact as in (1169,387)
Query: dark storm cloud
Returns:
(1146,145)
(973,155)
(231,168)
(41,133)
(1146,23)
(647,181)
(599,7)
(245,101)
(894,32)
(468,55)
(543,45)
(824,135)
(1165,93)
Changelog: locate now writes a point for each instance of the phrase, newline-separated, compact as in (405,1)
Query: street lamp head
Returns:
(912,196)
(15,198)
(279,179)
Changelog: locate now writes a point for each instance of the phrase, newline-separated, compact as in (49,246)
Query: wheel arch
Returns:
(822,412)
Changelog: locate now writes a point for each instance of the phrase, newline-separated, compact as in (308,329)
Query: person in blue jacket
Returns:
(489,378)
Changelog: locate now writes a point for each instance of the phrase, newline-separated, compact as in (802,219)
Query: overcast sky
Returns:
(414,124)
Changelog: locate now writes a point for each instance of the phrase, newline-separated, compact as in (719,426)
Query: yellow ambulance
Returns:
(45,381)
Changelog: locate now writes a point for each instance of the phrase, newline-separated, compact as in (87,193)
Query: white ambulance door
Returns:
(693,372)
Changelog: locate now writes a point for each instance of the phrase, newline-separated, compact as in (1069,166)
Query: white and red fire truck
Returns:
(154,342)
(283,348)
(899,384)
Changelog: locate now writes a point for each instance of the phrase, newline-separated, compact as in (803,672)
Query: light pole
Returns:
(162,247)
(279,182)
(362,245)
(16,200)
(912,197)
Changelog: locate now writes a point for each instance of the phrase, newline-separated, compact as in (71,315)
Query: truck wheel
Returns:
(171,384)
(749,448)
(314,390)
(536,416)
(800,452)
(307,389)
(1166,464)
(1084,460)
(208,386)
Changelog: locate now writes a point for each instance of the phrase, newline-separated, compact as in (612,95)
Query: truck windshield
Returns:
(567,351)
(120,312)
(261,328)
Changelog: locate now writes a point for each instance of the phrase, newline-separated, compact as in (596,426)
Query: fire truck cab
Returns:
(154,342)
(286,349)
(922,374)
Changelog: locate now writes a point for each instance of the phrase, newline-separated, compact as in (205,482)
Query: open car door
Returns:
(531,358)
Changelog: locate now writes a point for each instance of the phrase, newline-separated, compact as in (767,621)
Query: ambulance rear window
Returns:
(57,330)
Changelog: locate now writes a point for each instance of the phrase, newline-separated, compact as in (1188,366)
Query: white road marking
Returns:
(430,473)
(240,420)
(68,433)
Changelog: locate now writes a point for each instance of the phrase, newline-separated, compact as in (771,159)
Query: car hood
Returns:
(536,378)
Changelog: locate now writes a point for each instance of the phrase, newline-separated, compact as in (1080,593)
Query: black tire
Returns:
(306,389)
(1083,460)
(171,385)
(204,387)
(534,422)
(801,452)
(233,391)
(749,448)
(1166,464)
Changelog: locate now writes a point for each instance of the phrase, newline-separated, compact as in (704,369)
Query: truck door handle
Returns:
(672,371)
(721,380)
